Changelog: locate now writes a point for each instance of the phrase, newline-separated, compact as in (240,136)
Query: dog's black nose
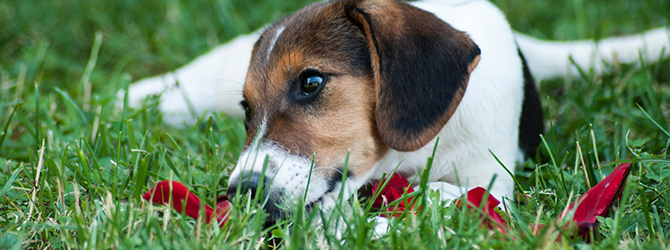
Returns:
(248,182)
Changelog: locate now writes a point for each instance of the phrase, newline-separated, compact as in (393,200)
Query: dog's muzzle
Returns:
(280,182)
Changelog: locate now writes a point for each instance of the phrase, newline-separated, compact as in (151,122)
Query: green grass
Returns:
(72,168)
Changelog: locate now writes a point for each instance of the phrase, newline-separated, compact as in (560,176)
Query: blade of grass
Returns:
(10,181)
(653,121)
(562,186)
(645,212)
(516,182)
(37,114)
(588,169)
(85,82)
(72,104)
(6,129)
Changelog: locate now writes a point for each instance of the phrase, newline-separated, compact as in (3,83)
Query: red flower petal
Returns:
(487,205)
(397,186)
(597,200)
(223,206)
(179,193)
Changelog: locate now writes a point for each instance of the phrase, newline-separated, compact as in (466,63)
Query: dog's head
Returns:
(344,82)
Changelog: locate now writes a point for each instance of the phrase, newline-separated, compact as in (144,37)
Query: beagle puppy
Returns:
(352,89)
(371,85)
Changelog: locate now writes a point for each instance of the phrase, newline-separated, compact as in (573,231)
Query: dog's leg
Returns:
(212,82)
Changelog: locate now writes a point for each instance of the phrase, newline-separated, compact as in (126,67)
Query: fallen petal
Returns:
(397,186)
(223,206)
(597,200)
(396,182)
(166,190)
(476,199)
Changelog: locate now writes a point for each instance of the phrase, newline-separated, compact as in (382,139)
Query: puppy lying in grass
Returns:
(350,90)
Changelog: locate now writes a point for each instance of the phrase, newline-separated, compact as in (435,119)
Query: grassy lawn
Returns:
(72,168)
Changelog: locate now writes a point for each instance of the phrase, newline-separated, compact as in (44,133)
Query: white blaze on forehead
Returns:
(260,133)
(274,40)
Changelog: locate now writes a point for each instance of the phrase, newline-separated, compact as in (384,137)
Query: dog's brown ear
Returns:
(421,67)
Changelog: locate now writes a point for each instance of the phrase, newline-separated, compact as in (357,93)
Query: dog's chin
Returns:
(275,214)
(277,210)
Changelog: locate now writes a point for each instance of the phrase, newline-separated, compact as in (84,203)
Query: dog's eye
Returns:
(307,86)
(311,84)
(247,113)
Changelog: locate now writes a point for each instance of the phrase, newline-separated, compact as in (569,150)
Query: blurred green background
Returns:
(53,39)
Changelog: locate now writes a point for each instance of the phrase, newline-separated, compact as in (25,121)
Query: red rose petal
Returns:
(475,200)
(597,200)
(397,186)
(223,206)
(179,193)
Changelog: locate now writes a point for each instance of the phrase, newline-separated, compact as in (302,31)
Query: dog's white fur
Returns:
(485,122)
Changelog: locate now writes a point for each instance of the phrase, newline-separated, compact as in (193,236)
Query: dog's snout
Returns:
(248,182)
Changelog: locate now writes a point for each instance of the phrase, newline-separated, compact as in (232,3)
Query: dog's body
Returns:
(372,85)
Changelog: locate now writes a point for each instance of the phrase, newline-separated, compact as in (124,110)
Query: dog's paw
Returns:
(211,83)
(447,191)
(381,226)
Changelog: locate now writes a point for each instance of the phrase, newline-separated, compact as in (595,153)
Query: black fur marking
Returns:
(531,125)
(420,72)
(424,89)
(334,179)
